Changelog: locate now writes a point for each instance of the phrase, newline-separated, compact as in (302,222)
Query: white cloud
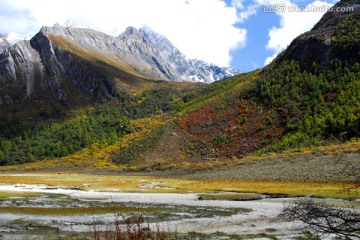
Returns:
(14,16)
(249,11)
(268,60)
(237,4)
(292,24)
(202,29)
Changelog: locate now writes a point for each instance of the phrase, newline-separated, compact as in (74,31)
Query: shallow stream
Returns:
(41,211)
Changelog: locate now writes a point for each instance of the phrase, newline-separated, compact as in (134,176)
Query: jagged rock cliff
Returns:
(59,61)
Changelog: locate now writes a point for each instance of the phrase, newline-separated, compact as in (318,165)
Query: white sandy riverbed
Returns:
(262,217)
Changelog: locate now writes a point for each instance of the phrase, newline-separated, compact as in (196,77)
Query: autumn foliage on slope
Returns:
(233,127)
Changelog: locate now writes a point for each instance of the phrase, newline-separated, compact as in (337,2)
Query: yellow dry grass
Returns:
(98,161)
(6,195)
(72,211)
(138,183)
(94,55)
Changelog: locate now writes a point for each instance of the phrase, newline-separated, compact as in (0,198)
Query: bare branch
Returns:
(323,219)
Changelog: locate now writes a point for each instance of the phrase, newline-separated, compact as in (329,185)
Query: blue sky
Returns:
(256,51)
(234,33)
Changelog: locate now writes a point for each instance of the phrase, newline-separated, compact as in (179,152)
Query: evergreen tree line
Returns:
(317,105)
(108,122)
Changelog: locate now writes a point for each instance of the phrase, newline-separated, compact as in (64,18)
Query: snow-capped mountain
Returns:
(149,50)
(208,73)
(13,38)
(182,67)
(99,65)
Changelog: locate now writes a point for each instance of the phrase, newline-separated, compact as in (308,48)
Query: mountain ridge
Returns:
(60,60)
(180,69)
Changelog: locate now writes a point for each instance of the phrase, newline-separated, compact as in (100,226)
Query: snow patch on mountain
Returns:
(184,68)
(77,23)
(10,39)
(13,37)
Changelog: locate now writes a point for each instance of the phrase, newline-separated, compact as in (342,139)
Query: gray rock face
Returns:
(37,68)
(150,54)
(26,70)
(59,58)
(142,54)
(182,68)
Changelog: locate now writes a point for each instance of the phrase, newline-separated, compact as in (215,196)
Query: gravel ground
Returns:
(304,168)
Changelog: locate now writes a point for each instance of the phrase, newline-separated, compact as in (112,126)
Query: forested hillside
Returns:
(304,98)
(104,124)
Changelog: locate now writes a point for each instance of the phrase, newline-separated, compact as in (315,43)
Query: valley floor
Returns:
(28,208)
(242,196)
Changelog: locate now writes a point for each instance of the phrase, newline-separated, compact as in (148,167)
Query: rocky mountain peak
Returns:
(83,37)
(151,35)
(150,53)
(132,36)
(158,40)
(335,36)
(131,31)
(59,61)
(182,67)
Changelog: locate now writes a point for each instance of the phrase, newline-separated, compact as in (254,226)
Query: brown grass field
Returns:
(324,171)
